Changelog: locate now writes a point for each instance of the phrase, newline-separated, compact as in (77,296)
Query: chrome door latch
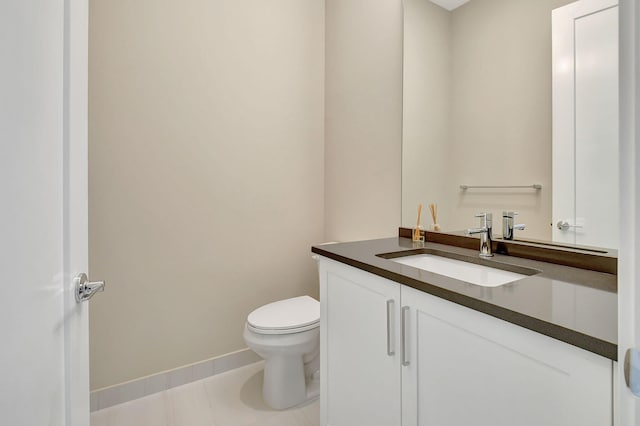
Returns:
(563,225)
(85,289)
(632,370)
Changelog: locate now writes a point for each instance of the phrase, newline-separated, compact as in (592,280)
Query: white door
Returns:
(43,212)
(628,405)
(585,123)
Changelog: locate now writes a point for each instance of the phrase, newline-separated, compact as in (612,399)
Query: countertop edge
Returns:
(592,344)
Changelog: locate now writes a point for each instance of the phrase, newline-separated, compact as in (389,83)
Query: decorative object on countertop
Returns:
(417,234)
(486,225)
(433,208)
(508,226)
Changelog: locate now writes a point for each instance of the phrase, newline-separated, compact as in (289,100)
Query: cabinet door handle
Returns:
(405,350)
(390,340)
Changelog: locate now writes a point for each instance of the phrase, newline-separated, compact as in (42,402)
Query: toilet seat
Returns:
(288,316)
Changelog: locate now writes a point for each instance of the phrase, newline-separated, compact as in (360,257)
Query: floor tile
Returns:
(99,418)
(189,405)
(151,410)
(236,396)
(311,413)
(233,398)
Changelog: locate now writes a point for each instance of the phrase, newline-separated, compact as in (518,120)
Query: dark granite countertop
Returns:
(574,305)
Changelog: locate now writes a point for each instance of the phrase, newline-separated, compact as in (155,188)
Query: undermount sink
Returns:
(473,273)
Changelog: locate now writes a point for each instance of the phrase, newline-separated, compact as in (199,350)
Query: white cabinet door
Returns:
(468,368)
(359,331)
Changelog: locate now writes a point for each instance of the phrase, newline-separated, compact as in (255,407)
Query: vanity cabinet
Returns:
(422,360)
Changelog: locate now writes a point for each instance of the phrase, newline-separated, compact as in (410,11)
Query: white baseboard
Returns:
(123,392)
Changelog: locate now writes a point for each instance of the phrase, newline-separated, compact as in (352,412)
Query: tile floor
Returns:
(233,398)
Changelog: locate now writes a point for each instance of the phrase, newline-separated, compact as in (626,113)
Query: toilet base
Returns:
(313,387)
(282,390)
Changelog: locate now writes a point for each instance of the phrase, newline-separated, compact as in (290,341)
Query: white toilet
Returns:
(287,335)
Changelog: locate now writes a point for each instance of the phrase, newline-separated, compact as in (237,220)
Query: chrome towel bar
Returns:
(535,186)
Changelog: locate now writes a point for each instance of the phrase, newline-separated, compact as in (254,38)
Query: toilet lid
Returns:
(286,315)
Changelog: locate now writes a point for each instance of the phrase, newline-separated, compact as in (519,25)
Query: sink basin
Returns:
(473,273)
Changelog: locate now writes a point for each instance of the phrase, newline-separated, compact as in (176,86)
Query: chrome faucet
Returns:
(486,221)
(508,219)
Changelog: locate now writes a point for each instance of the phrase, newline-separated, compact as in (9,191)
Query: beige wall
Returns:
(500,130)
(206,173)
(363,116)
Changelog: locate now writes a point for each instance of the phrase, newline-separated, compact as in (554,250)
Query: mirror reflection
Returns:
(479,111)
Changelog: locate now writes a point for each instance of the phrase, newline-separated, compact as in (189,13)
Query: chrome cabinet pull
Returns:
(405,350)
(390,340)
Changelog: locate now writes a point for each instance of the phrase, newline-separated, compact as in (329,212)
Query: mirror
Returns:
(478,111)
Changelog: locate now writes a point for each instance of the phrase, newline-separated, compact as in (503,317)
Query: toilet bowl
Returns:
(286,334)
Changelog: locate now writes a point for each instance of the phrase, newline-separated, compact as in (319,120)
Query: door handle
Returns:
(632,370)
(85,289)
(563,225)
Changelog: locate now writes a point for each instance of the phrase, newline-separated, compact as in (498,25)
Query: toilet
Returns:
(286,334)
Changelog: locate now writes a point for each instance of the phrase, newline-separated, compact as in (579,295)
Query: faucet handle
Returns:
(485,219)
(510,214)
(485,215)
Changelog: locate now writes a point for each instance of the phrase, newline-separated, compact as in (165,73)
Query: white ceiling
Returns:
(449,4)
